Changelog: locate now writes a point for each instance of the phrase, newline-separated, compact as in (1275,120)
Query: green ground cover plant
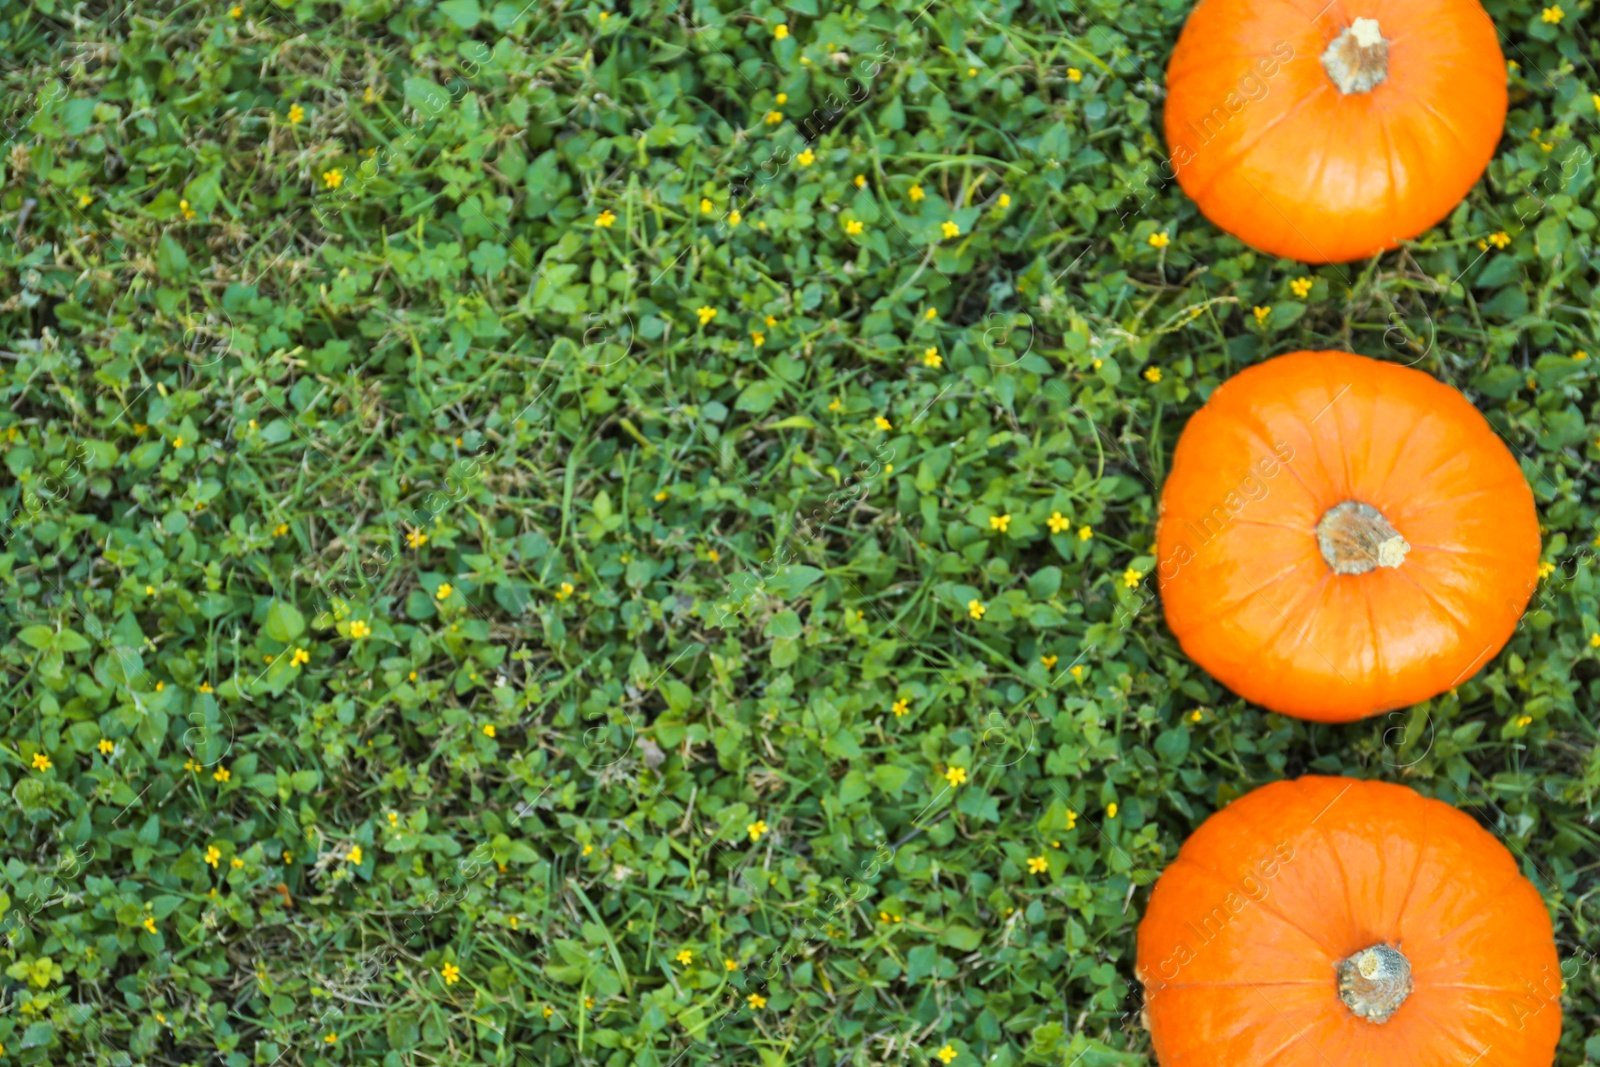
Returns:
(554,533)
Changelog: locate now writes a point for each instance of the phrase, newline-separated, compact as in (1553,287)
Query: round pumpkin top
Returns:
(1341,536)
(1330,921)
(1326,132)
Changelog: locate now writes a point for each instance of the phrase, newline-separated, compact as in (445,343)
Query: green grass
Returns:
(243,361)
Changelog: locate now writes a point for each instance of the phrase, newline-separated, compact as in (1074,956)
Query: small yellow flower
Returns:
(605,219)
(416,539)
(900,707)
(235,11)
(1038,865)
(734,218)
(191,765)
(730,965)
(236,863)
(1076,672)
(853,228)
(221,774)
(931,314)
(756,829)
(1001,523)
(685,957)
(661,496)
(956,776)
(1580,355)
(450,973)
(758,338)
(1111,810)
(300,658)
(296,113)
(756,1001)
(1074,75)
(1152,374)
(548,1011)
(860,181)
(1260,313)
(972,72)
(705,206)
(331,1039)
(1084,533)
(280,529)
(782,98)
(370,95)
(177,442)
(806,158)
(836,404)
(1131,577)
(205,687)
(359,629)
(333,177)
(588,1002)
(706,313)
(159,687)
(976,609)
(1546,569)
(1005,199)
(41,762)
(106,747)
(1058,522)
(1524,720)
(915,193)
(85,199)
(1049,662)
(444,591)
(488,729)
(1552,14)
(1300,287)
(213,854)
(1159,240)
(150,924)
(565,591)
(882,423)
(780,31)
(950,229)
(947,1054)
(1500,239)
(931,357)
(1196,715)
(774,117)
(1595,100)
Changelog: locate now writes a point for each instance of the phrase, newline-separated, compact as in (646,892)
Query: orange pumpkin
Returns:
(1327,132)
(1340,537)
(1329,921)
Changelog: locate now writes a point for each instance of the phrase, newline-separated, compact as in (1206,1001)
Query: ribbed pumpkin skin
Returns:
(1246,589)
(1238,946)
(1273,152)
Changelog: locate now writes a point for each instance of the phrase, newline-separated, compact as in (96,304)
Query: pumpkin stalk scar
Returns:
(1358,59)
(1355,538)
(1374,982)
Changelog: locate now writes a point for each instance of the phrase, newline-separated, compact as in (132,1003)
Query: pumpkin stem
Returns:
(1355,538)
(1358,59)
(1374,982)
